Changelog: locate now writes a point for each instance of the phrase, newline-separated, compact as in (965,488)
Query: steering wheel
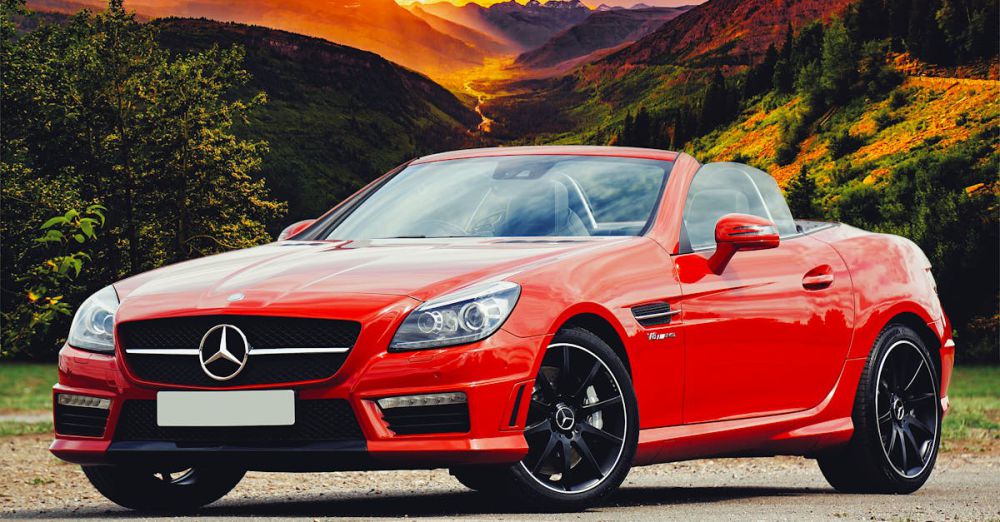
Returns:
(440,224)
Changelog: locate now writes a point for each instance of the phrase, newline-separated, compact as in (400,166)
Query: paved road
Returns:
(964,487)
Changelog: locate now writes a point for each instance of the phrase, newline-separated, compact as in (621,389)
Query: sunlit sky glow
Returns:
(591,3)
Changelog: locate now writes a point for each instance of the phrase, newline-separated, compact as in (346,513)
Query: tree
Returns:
(760,78)
(715,106)
(643,129)
(801,194)
(783,77)
(839,63)
(95,111)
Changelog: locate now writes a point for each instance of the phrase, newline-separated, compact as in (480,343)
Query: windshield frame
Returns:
(326,224)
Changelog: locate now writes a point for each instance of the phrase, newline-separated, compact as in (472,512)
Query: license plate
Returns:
(226,408)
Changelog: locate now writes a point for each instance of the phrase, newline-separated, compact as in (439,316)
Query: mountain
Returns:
(475,38)
(336,116)
(665,72)
(524,26)
(726,29)
(380,26)
(602,30)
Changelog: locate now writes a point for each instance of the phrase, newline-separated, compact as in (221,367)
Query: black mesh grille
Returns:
(652,309)
(446,418)
(261,333)
(261,369)
(315,421)
(76,420)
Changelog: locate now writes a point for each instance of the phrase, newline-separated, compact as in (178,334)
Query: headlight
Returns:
(93,325)
(462,317)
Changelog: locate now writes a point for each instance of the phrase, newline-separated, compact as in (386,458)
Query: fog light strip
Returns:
(83,401)
(432,399)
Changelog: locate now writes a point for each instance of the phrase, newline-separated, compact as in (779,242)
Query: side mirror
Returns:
(293,229)
(735,232)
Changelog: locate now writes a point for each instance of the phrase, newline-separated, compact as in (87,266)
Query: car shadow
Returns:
(462,503)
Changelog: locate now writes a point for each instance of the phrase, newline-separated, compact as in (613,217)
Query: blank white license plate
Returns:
(226,408)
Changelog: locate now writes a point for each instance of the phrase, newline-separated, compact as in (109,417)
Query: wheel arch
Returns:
(927,335)
(603,328)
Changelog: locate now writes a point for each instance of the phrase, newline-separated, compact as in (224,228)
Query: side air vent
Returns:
(653,314)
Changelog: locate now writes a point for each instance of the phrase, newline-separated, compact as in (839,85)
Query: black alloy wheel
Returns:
(897,420)
(906,408)
(576,422)
(582,430)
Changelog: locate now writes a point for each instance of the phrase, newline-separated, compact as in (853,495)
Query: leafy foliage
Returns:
(96,111)
(45,284)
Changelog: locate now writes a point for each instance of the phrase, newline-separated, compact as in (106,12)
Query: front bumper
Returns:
(496,375)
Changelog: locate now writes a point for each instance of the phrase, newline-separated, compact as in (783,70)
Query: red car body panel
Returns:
(757,363)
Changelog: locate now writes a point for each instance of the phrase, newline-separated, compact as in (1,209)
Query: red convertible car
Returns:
(538,320)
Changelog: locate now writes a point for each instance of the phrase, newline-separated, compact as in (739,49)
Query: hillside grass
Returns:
(922,116)
(972,425)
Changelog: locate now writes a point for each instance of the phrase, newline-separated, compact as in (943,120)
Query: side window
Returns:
(731,188)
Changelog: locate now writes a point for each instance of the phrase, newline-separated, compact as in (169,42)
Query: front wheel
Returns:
(172,490)
(582,430)
(897,420)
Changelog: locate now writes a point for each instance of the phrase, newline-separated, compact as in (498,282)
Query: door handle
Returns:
(818,278)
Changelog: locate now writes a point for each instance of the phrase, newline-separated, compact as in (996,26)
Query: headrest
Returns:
(536,207)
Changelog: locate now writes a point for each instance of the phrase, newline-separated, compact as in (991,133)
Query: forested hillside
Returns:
(335,117)
(879,113)
(127,145)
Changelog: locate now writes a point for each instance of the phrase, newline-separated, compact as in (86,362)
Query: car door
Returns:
(770,333)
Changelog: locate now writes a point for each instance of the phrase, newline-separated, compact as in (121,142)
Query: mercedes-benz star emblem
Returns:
(565,418)
(223,352)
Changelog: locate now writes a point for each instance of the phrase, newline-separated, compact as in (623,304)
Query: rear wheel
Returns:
(582,429)
(173,490)
(897,420)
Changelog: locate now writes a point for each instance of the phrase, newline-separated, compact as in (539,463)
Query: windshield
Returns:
(511,196)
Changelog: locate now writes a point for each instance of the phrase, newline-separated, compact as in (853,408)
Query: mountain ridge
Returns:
(601,30)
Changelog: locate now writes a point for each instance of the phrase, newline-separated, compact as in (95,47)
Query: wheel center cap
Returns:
(565,418)
(898,409)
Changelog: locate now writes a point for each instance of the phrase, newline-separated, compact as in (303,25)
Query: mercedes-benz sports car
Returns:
(538,320)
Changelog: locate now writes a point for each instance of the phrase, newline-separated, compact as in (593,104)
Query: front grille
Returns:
(315,421)
(446,418)
(261,332)
(77,420)
(185,333)
(266,369)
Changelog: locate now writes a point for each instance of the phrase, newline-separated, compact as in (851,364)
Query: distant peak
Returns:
(641,6)
(562,4)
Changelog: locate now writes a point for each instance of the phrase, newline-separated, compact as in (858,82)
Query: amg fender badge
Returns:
(661,336)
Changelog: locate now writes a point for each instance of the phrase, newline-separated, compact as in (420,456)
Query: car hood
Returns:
(303,273)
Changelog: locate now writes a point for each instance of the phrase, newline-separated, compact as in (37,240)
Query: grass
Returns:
(973,424)
(26,386)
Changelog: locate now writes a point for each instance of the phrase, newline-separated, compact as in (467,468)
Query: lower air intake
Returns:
(418,420)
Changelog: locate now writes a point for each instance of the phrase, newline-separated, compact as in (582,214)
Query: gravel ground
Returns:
(963,487)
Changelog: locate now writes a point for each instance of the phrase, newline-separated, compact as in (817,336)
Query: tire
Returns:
(169,491)
(491,480)
(602,435)
(897,420)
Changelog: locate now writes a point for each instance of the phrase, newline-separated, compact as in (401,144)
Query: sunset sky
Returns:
(591,3)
